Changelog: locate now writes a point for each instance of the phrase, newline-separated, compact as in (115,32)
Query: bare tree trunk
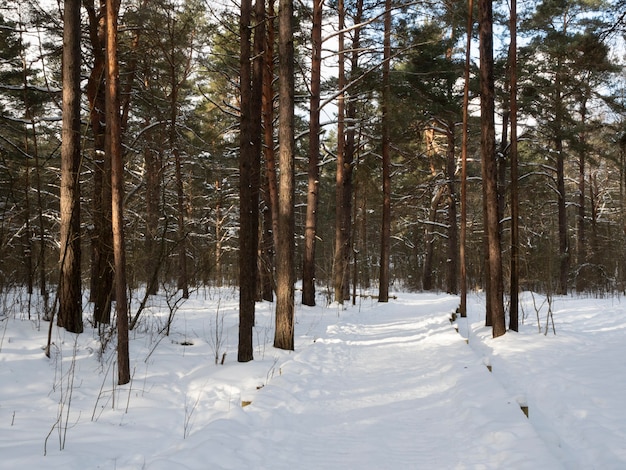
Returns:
(256,104)
(453,239)
(594,192)
(514,287)
(114,147)
(494,281)
(268,120)
(249,145)
(70,300)
(564,255)
(562,216)
(270,184)
(385,240)
(463,242)
(581,242)
(339,267)
(349,155)
(355,241)
(310,229)
(27,235)
(101,239)
(285,248)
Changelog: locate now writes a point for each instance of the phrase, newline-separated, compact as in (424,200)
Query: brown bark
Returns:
(310,227)
(581,241)
(114,147)
(463,234)
(346,148)
(560,183)
(452,261)
(385,240)
(70,300)
(268,121)
(270,184)
(514,287)
(258,71)
(249,145)
(339,268)
(102,237)
(285,247)
(494,281)
(562,218)
(350,153)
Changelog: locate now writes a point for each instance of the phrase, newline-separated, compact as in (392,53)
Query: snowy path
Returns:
(392,388)
(374,387)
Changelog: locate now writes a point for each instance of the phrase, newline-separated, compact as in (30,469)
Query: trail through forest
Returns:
(376,386)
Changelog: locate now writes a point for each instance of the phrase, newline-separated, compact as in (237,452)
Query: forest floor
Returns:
(371,386)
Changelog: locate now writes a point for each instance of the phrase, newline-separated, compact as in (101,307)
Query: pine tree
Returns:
(70,291)
(285,248)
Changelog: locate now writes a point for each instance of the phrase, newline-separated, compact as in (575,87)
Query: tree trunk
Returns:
(562,216)
(114,147)
(353,248)
(494,281)
(560,184)
(581,242)
(70,300)
(310,230)
(594,192)
(349,155)
(102,237)
(385,236)
(453,239)
(339,268)
(256,106)
(285,248)
(514,287)
(249,145)
(270,192)
(27,236)
(466,80)
(266,251)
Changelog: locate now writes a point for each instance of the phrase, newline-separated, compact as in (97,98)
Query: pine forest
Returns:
(305,152)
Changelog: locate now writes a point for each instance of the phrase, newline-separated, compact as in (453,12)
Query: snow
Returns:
(372,386)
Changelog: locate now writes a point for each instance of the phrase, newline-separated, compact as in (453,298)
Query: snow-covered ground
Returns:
(374,386)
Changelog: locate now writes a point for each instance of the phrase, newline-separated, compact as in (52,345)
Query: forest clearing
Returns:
(371,386)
